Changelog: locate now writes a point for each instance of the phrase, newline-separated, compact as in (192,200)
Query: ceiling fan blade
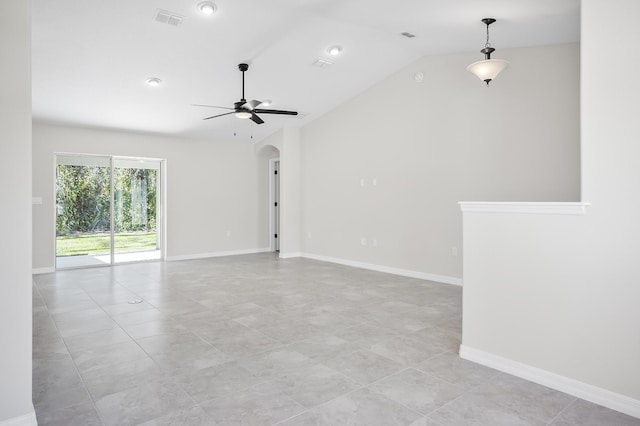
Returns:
(219,115)
(256,119)
(252,104)
(275,111)
(210,106)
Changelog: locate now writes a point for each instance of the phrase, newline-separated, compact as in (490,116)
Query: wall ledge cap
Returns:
(556,208)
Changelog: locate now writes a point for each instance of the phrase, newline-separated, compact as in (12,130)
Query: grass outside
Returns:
(92,244)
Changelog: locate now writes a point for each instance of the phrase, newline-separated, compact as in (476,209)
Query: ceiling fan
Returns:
(247,109)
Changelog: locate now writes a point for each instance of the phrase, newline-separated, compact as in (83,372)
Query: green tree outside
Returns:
(83,207)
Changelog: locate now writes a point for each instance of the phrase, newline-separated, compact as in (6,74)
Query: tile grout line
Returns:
(366,386)
(550,422)
(326,402)
(468,391)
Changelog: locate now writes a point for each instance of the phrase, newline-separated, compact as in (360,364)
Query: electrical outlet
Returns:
(362,182)
(363,241)
(374,243)
(454,251)
(309,234)
(228,233)
(374,182)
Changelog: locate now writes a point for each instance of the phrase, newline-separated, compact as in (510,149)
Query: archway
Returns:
(269,155)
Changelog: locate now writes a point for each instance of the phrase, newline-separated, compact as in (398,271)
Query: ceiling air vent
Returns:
(322,63)
(166,17)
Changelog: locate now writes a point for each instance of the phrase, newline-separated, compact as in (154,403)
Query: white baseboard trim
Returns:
(290,255)
(216,254)
(600,396)
(38,271)
(387,269)
(26,420)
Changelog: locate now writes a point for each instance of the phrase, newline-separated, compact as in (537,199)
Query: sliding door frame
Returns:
(161,194)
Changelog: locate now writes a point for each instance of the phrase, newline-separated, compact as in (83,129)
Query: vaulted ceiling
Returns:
(92,58)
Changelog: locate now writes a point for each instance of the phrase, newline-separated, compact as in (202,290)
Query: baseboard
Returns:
(38,271)
(216,254)
(290,255)
(600,396)
(26,420)
(387,269)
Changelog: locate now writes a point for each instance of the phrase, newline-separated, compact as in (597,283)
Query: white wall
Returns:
(15,193)
(432,144)
(560,293)
(290,192)
(212,188)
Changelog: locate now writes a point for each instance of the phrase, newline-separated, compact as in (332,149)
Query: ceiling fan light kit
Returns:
(488,69)
(244,109)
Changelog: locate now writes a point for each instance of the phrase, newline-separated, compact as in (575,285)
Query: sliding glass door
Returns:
(135,209)
(107,210)
(83,206)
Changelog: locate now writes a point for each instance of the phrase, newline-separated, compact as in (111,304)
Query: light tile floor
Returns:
(254,340)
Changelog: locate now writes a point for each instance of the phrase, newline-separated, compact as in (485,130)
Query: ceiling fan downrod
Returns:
(243,68)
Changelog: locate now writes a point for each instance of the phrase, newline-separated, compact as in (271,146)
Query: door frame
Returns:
(274,211)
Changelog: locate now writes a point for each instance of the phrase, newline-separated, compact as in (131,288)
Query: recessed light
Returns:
(207,7)
(334,50)
(154,81)
(266,102)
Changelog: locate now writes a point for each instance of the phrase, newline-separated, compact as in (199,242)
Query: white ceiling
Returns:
(91,58)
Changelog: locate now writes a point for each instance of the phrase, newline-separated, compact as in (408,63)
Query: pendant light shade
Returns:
(488,69)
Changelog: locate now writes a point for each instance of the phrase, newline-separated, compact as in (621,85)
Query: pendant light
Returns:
(488,69)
